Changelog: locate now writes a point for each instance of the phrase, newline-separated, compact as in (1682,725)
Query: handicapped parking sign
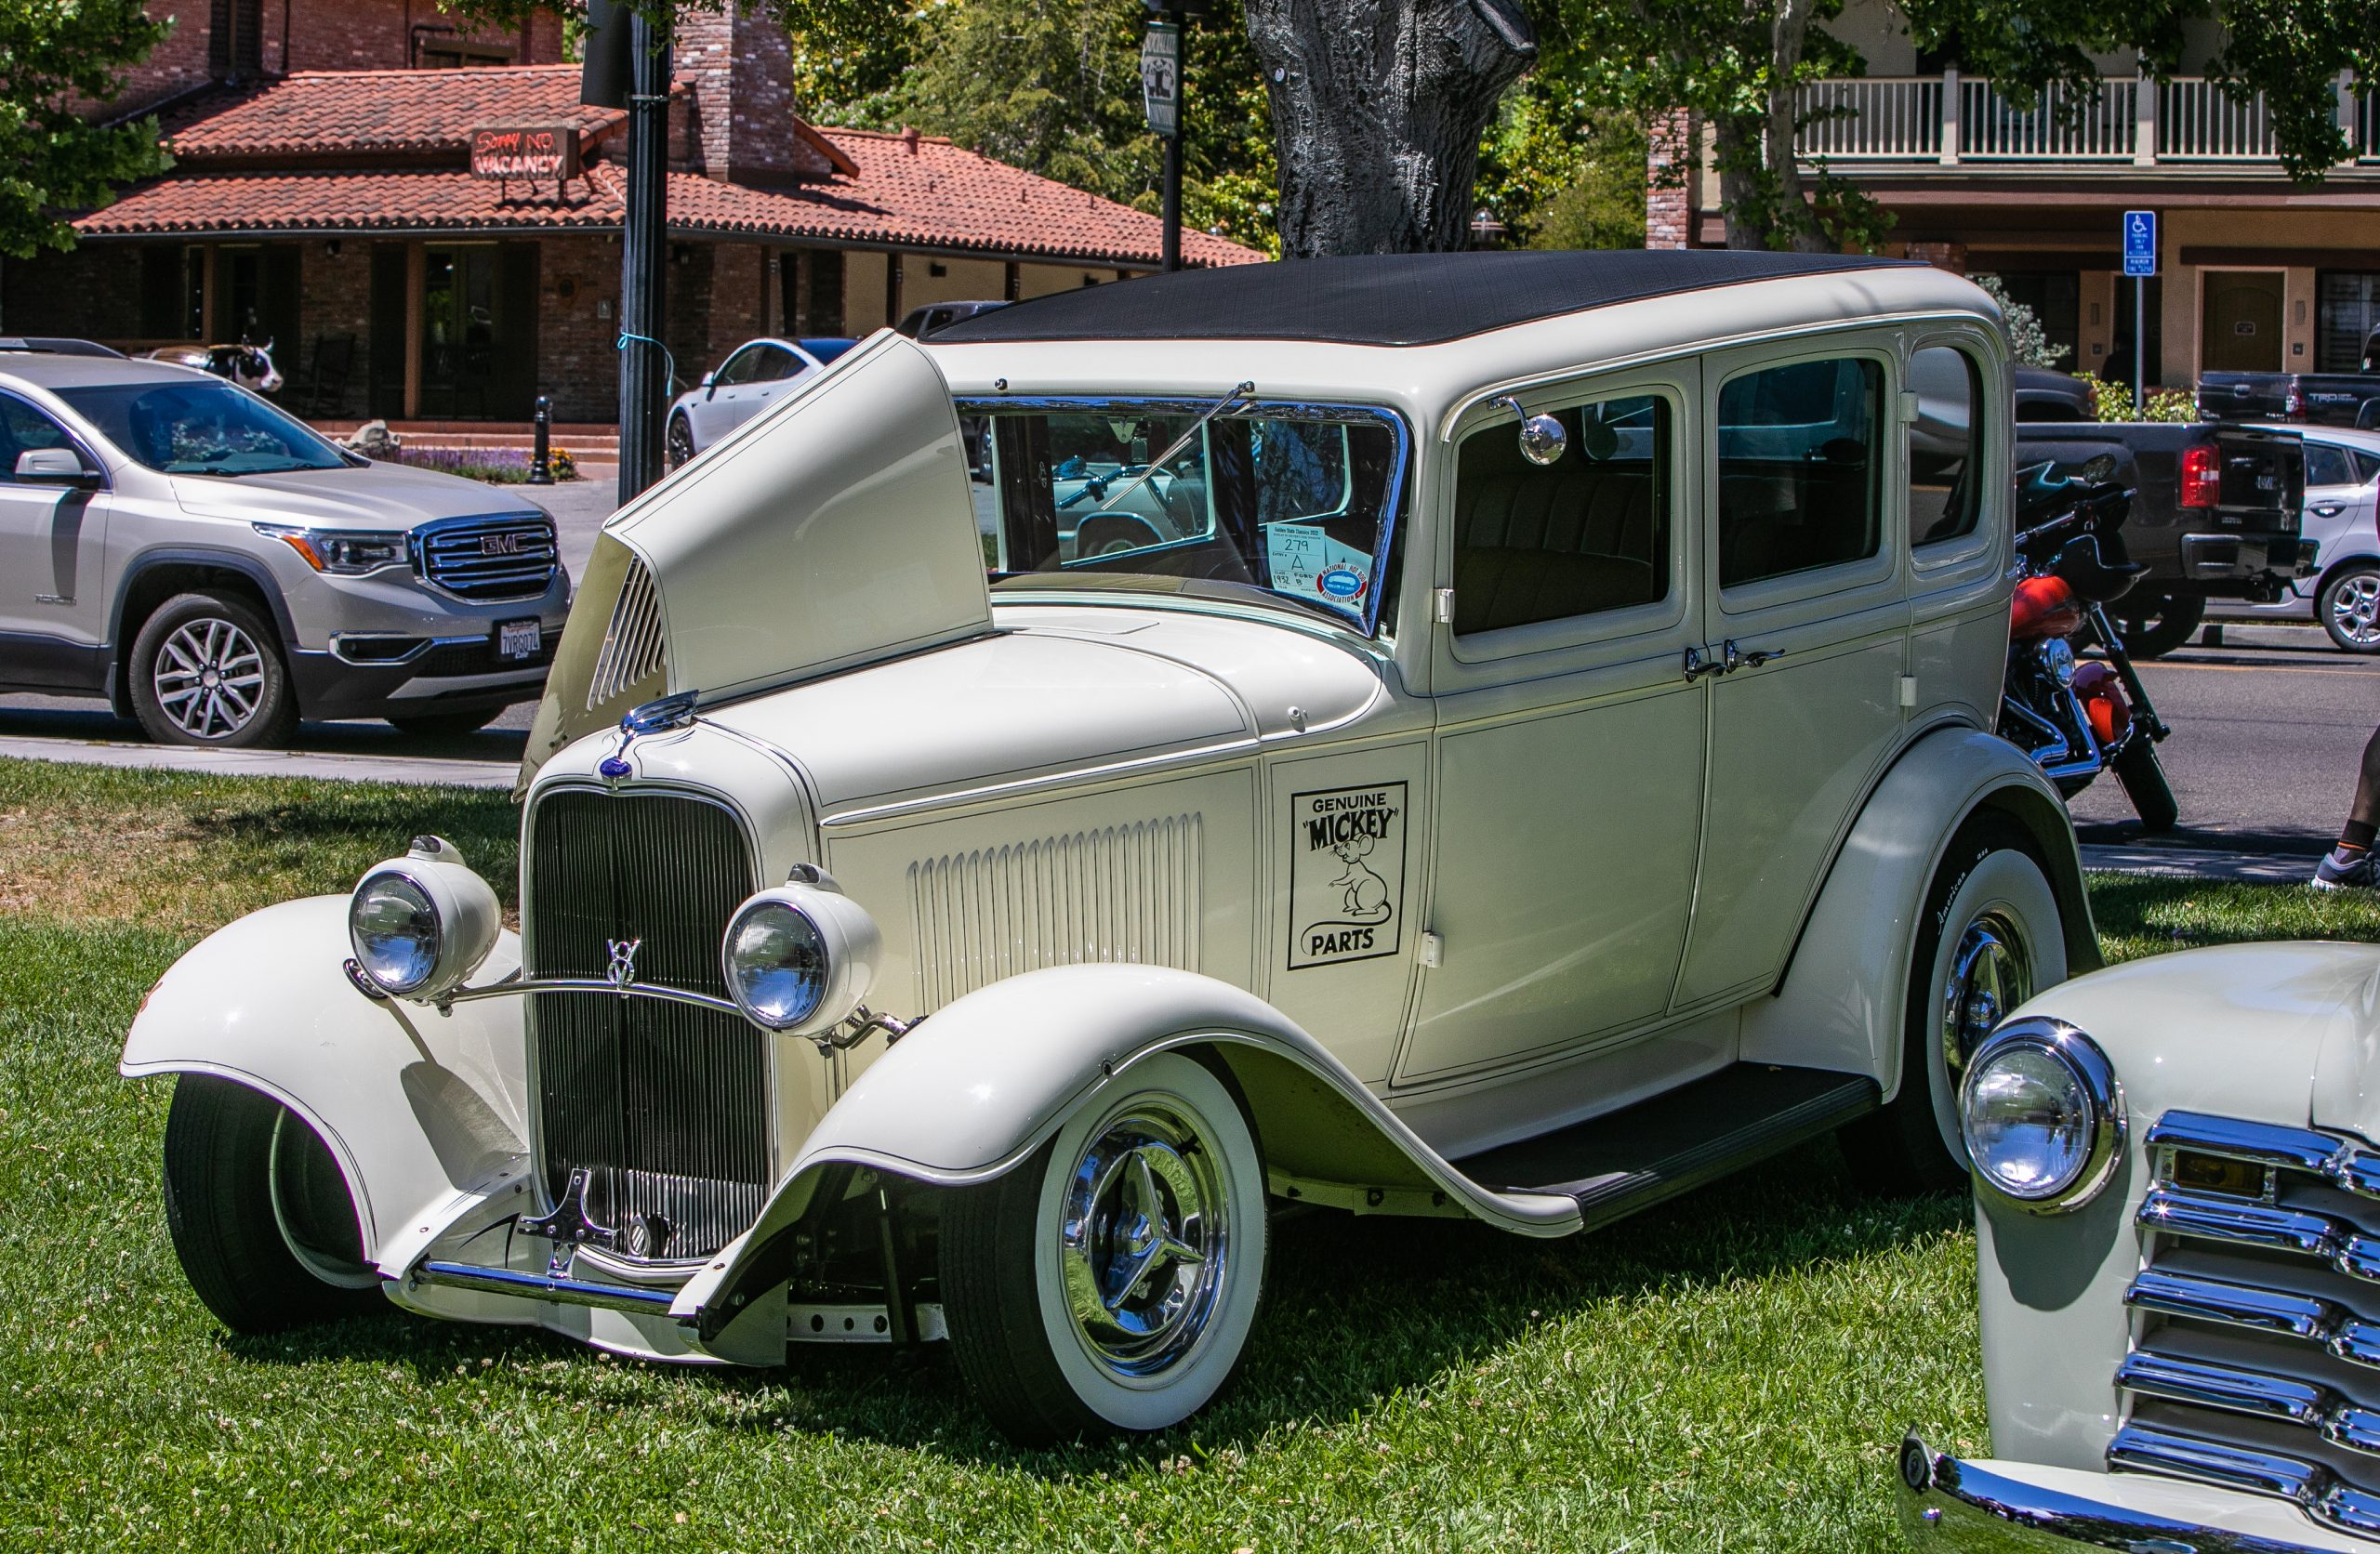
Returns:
(2141,242)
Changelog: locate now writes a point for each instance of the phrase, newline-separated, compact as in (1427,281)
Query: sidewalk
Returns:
(2173,863)
(266,763)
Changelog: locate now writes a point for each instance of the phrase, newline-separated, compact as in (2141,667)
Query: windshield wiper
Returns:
(1149,471)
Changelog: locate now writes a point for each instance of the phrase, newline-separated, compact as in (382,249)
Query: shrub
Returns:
(2114,402)
(494,465)
(2027,341)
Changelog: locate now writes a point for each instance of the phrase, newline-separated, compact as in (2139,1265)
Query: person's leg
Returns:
(2350,862)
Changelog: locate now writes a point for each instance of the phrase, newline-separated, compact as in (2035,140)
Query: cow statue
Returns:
(249,366)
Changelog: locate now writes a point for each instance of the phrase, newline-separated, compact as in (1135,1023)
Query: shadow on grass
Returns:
(1358,1311)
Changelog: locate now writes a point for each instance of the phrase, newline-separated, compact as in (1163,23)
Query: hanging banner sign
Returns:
(533,153)
(1161,79)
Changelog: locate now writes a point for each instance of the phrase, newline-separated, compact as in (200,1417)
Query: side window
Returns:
(1798,476)
(2326,464)
(1945,497)
(738,368)
(772,362)
(2367,466)
(1586,534)
(22,429)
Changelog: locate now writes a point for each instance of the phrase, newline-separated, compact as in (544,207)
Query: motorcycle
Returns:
(2079,717)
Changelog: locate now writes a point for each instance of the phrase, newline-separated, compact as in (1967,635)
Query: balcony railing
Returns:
(1949,119)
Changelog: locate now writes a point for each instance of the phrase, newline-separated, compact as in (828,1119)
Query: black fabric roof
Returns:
(1382,299)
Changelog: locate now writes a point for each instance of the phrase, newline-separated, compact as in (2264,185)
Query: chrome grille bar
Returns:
(2212,1216)
(2340,1332)
(2175,1454)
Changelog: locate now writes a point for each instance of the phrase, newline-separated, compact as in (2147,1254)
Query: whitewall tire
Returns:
(1990,937)
(1110,1281)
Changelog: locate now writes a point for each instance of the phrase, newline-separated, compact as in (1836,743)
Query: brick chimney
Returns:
(1669,181)
(740,65)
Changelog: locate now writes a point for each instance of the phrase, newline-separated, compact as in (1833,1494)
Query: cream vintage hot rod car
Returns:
(2179,1243)
(1542,762)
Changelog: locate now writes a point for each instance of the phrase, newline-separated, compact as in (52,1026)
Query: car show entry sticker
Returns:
(1346,873)
(1304,559)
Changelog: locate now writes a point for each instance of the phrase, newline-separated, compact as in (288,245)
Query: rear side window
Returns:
(1945,497)
(2327,464)
(1798,469)
(1586,534)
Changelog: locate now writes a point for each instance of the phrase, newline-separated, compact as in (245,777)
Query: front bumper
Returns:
(1947,1503)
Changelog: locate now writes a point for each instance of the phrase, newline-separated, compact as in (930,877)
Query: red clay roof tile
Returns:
(904,192)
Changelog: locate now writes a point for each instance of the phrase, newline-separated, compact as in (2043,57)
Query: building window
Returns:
(444,49)
(2347,311)
(235,38)
(173,291)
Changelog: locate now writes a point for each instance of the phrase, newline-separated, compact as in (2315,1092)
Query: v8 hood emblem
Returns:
(621,972)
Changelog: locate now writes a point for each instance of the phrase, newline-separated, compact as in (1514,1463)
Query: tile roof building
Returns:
(335,211)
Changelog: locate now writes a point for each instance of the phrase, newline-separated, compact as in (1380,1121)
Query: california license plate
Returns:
(518,639)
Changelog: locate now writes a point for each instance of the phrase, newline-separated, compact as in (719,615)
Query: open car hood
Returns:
(832,531)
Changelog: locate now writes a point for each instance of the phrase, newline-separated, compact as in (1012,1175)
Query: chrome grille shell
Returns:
(510,557)
(670,1103)
(2256,1353)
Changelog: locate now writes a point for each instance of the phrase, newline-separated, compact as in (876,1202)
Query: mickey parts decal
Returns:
(1346,873)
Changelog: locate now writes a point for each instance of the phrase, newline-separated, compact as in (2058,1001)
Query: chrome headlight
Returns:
(343,552)
(2043,1116)
(799,957)
(422,924)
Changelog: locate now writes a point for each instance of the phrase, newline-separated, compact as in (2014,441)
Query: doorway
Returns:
(479,347)
(2239,321)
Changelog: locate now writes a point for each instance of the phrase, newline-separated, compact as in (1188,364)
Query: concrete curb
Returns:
(2254,868)
(265,763)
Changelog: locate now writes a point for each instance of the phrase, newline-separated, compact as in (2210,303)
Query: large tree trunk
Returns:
(1378,106)
(1759,182)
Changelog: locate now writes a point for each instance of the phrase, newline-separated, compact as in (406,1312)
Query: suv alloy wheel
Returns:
(206,670)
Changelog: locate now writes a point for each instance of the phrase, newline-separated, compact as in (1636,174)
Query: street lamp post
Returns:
(1165,60)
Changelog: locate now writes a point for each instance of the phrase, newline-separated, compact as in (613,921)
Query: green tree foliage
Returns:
(1561,169)
(60,59)
(2028,341)
(1054,87)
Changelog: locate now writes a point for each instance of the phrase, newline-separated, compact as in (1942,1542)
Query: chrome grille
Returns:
(665,1104)
(486,558)
(2256,1361)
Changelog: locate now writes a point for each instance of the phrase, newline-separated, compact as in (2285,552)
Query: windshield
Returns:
(1297,501)
(201,429)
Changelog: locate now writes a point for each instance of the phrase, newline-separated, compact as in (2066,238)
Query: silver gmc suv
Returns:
(217,570)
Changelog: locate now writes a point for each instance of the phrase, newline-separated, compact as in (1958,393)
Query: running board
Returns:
(1632,1159)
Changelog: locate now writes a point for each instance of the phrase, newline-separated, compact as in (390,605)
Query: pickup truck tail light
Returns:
(2293,405)
(2201,476)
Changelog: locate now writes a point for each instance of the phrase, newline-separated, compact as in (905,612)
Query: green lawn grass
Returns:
(1730,1371)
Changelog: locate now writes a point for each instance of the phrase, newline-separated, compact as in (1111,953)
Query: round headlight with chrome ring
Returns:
(420,925)
(2041,1115)
(799,957)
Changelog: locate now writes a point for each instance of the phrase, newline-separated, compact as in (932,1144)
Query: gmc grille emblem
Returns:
(499,544)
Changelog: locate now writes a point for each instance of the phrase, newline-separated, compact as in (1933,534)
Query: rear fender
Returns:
(1842,1002)
(979,1086)
(416,1106)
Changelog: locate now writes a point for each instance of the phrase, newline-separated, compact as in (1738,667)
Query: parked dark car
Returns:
(2318,399)
(2215,515)
(918,322)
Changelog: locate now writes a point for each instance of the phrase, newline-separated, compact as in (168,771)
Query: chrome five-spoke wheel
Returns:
(1110,1281)
(1991,972)
(1145,1242)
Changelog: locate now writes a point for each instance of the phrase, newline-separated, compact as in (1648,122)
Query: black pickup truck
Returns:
(2319,399)
(2215,513)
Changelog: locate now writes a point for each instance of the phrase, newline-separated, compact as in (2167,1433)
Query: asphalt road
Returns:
(2268,731)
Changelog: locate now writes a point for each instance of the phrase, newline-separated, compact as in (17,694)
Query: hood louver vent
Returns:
(1127,893)
(633,649)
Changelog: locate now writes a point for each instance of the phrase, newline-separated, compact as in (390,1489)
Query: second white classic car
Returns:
(1530,771)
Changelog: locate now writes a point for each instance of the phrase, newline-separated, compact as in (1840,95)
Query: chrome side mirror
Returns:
(1543,437)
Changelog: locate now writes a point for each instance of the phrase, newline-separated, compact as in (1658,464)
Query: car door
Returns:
(2337,500)
(1809,603)
(1568,755)
(713,411)
(53,585)
(780,372)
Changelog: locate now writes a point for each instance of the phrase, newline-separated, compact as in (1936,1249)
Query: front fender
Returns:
(1841,1003)
(414,1105)
(978,1086)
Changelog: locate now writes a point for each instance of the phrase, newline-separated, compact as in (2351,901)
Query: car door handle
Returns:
(1697,665)
(2328,510)
(1735,658)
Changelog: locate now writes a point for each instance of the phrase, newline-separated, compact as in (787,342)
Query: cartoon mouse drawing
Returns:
(1366,898)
